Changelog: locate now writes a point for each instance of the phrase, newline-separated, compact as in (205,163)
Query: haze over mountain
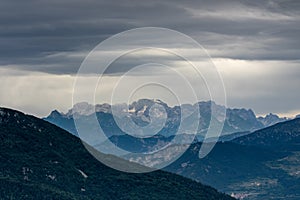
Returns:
(237,120)
(39,160)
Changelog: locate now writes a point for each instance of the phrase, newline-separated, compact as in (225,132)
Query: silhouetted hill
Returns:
(39,160)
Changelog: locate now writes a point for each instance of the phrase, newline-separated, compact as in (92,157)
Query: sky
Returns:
(254,44)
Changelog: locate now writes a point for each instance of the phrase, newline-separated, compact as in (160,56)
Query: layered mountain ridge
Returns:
(236,120)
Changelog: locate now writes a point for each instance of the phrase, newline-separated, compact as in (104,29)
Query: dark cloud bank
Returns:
(32,31)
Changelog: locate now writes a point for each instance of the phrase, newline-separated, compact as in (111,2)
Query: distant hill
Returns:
(244,170)
(39,160)
(284,133)
(260,165)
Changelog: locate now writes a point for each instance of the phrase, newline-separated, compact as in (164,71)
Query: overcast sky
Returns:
(254,44)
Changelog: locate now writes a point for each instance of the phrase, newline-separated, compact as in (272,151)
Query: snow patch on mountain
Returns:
(271,119)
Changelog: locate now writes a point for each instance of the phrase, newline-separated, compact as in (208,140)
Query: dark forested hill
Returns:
(41,161)
(284,134)
(262,165)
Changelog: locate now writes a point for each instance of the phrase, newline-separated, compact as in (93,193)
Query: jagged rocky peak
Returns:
(243,113)
(143,106)
(271,119)
(187,109)
(140,111)
(139,105)
(136,107)
(208,106)
(55,114)
(82,108)
(85,109)
(106,108)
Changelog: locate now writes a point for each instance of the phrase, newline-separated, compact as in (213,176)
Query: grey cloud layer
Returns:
(54,36)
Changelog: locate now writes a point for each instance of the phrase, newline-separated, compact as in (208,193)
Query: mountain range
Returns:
(236,120)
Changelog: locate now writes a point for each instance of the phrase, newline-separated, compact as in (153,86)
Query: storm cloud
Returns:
(50,39)
(55,36)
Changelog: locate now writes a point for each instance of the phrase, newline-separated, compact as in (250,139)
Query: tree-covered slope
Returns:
(284,134)
(262,165)
(41,161)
